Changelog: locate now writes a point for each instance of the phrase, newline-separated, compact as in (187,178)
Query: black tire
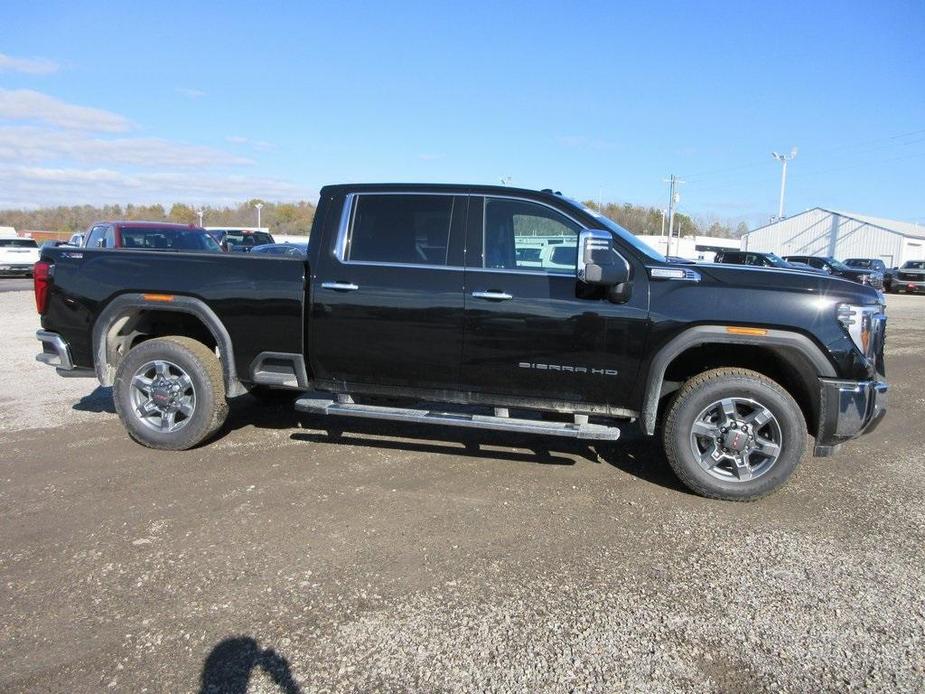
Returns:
(204,371)
(722,481)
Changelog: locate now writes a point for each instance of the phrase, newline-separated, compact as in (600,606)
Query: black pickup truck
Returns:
(436,294)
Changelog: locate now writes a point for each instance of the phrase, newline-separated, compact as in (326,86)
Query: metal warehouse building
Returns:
(840,234)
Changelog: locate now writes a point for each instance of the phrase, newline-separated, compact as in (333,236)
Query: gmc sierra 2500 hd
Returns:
(436,293)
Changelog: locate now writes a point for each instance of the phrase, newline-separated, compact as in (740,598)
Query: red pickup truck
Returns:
(150,236)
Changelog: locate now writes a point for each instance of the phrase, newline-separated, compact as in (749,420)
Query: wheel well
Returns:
(783,365)
(134,327)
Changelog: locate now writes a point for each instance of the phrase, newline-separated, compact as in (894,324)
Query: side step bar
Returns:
(316,404)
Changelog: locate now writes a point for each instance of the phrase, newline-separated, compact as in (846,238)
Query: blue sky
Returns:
(217,102)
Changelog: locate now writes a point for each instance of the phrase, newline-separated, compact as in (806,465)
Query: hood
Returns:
(800,281)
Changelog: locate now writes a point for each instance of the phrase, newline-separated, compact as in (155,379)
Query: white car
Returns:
(17,256)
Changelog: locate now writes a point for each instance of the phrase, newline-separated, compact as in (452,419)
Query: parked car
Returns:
(157,236)
(753,258)
(415,293)
(877,265)
(910,277)
(18,255)
(240,240)
(291,250)
(836,268)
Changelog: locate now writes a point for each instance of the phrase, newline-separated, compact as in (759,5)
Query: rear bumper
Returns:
(848,409)
(55,352)
(16,268)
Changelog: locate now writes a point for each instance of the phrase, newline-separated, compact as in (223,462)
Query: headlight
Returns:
(862,324)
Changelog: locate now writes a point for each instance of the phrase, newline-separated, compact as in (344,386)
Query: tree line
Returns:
(296,217)
(647,221)
(281,217)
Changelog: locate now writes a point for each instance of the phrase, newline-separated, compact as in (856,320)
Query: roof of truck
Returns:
(150,225)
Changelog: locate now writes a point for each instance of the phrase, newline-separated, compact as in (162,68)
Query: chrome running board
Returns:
(344,406)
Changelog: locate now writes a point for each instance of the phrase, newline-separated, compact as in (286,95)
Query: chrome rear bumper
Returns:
(55,351)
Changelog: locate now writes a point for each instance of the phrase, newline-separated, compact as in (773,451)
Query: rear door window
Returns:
(400,229)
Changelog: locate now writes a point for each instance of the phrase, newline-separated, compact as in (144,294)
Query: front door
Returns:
(387,303)
(532,330)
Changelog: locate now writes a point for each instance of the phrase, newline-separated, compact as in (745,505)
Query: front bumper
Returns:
(907,286)
(848,409)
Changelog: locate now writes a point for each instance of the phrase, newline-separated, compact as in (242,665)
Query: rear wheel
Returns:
(734,434)
(170,394)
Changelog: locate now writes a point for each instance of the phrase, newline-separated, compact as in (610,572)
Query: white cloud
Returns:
(29,66)
(26,144)
(25,104)
(191,93)
(28,186)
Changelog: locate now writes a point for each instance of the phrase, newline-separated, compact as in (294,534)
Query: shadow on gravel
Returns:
(634,454)
(100,400)
(228,667)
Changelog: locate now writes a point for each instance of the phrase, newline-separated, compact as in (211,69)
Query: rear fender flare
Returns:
(126,303)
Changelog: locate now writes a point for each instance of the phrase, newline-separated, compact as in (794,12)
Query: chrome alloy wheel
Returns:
(736,439)
(163,397)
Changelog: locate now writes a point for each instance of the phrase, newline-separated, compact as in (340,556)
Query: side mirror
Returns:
(598,262)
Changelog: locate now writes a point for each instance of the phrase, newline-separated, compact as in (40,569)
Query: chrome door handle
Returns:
(492,296)
(340,286)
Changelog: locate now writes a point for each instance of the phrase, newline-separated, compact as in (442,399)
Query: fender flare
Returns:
(125,303)
(784,341)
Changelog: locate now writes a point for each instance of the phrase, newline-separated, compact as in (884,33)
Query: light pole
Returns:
(783,159)
(200,211)
(258,206)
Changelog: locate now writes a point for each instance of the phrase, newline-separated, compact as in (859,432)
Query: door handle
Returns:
(340,286)
(492,296)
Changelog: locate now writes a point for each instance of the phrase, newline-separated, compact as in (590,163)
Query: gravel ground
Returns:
(282,557)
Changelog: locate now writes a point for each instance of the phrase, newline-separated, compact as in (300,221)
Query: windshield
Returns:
(18,243)
(859,262)
(161,239)
(776,260)
(838,265)
(914,265)
(241,238)
(624,234)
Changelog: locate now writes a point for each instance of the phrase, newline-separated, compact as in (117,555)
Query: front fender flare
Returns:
(785,341)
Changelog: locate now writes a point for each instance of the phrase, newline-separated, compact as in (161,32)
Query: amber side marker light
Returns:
(734,330)
(157,297)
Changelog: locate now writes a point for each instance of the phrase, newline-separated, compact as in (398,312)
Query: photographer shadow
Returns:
(228,667)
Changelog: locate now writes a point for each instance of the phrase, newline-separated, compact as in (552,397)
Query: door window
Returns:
(401,229)
(521,235)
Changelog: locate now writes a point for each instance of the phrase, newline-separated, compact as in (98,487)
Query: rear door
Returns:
(387,295)
(532,330)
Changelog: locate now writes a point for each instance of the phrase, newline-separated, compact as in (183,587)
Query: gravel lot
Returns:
(400,558)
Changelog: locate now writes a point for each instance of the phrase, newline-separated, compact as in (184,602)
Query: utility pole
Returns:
(663,221)
(200,211)
(674,196)
(783,159)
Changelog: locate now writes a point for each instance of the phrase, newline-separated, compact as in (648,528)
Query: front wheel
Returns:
(734,434)
(169,393)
